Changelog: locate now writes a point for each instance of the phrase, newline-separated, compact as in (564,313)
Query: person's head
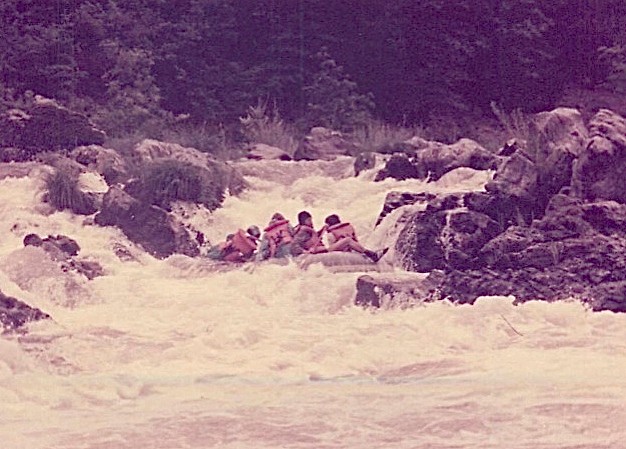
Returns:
(277,216)
(332,220)
(304,217)
(32,240)
(229,237)
(254,231)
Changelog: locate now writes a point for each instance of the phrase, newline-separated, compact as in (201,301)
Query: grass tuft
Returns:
(63,193)
(263,124)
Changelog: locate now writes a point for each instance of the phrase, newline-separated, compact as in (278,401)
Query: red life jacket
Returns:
(277,233)
(341,230)
(315,243)
(243,243)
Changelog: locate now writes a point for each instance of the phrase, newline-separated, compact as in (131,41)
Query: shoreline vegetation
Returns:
(218,76)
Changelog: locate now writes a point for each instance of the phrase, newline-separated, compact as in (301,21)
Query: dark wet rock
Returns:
(364,161)
(62,249)
(600,170)
(46,125)
(15,313)
(444,235)
(392,290)
(400,167)
(396,200)
(151,227)
(261,151)
(578,250)
(325,144)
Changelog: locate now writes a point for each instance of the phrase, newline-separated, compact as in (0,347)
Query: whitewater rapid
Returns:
(166,354)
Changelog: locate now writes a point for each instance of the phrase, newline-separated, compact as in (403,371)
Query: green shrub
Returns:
(161,183)
(63,193)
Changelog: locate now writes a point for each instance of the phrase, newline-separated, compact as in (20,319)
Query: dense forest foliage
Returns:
(128,63)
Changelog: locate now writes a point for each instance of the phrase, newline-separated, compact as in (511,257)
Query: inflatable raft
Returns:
(338,262)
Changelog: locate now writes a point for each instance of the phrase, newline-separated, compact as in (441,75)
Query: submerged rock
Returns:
(392,290)
(15,313)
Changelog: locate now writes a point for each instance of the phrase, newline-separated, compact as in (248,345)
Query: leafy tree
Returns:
(132,96)
(333,99)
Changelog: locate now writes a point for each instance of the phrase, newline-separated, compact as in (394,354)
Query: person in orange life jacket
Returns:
(277,238)
(342,237)
(238,247)
(243,245)
(305,238)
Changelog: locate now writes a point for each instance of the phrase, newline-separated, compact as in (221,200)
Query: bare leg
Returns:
(346,244)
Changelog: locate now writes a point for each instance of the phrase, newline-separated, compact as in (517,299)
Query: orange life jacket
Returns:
(244,243)
(315,243)
(277,233)
(341,230)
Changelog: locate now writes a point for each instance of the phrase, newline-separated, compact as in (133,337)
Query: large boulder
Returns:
(46,125)
(105,161)
(531,172)
(151,227)
(15,313)
(439,160)
(402,166)
(325,144)
(434,159)
(152,151)
(444,235)
(600,170)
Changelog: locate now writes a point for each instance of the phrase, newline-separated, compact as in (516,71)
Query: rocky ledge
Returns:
(550,226)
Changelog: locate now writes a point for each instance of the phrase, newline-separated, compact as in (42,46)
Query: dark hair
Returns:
(332,220)
(32,239)
(302,216)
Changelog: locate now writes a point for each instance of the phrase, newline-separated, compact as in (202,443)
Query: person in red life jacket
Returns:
(342,237)
(306,240)
(277,237)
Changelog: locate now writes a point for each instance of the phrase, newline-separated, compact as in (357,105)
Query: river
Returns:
(167,354)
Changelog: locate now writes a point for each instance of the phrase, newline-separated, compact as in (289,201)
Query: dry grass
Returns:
(376,135)
(263,124)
